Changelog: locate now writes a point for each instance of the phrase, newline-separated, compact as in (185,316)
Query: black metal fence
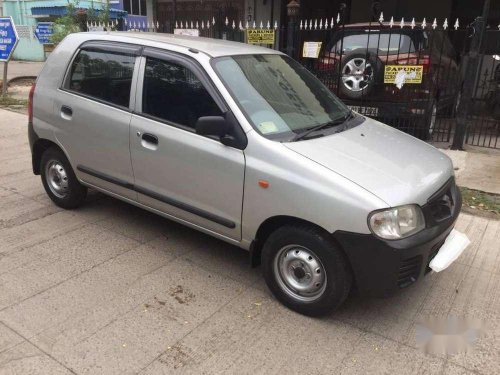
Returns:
(406,73)
(483,115)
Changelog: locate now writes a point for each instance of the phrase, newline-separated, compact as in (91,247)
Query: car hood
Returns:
(394,166)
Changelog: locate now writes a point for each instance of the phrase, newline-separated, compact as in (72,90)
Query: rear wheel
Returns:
(305,270)
(60,181)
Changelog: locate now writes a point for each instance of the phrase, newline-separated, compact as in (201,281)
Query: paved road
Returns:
(22,68)
(112,289)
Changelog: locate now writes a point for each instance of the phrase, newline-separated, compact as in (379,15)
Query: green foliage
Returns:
(101,16)
(67,24)
(75,20)
(480,200)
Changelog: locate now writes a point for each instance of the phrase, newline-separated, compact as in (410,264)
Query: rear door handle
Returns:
(66,112)
(150,138)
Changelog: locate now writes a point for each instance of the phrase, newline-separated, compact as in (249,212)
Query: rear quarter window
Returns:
(106,76)
(386,42)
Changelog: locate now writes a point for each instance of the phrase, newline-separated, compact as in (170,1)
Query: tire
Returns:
(59,180)
(292,256)
(359,74)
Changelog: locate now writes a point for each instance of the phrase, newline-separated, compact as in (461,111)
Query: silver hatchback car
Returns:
(243,143)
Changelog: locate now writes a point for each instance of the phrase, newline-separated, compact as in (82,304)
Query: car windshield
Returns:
(279,96)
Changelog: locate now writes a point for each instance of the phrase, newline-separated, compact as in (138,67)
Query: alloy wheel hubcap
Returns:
(57,179)
(300,273)
(357,74)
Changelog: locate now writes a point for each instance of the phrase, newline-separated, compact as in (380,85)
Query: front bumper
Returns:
(383,267)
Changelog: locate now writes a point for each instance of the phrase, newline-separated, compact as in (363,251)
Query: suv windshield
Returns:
(279,96)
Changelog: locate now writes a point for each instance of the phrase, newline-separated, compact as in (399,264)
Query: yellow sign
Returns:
(412,73)
(260,36)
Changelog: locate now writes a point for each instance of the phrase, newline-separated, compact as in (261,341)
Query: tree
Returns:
(67,24)
(76,19)
(100,16)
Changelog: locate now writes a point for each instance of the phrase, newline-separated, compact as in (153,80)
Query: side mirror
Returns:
(212,125)
(225,128)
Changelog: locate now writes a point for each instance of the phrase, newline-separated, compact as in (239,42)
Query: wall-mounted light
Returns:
(250,14)
(292,8)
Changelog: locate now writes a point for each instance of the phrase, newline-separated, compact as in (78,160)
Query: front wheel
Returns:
(305,270)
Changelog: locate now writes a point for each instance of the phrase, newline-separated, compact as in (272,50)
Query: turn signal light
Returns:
(264,184)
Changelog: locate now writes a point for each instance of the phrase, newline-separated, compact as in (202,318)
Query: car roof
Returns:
(209,46)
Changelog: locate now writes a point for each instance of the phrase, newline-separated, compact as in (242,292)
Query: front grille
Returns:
(442,205)
(409,271)
(441,209)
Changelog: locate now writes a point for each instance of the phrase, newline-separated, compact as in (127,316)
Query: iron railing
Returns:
(408,74)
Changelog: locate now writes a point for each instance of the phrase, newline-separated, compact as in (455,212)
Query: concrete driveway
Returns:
(112,289)
(23,69)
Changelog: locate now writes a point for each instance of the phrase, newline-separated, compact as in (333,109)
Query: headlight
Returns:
(398,222)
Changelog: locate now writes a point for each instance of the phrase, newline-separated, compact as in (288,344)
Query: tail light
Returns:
(30,103)
(425,61)
(327,63)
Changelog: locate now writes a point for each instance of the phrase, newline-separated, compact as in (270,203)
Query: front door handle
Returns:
(66,112)
(150,138)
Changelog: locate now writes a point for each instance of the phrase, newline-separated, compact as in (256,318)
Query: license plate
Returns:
(453,247)
(366,111)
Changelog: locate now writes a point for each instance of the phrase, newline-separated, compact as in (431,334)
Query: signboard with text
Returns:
(8,38)
(412,73)
(188,32)
(311,49)
(260,36)
(44,31)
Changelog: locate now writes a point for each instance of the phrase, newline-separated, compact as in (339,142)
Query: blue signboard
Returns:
(44,31)
(8,38)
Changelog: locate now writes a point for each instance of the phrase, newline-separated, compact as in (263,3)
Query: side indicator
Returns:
(264,184)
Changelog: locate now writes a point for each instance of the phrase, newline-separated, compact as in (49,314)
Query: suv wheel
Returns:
(305,270)
(359,72)
(60,181)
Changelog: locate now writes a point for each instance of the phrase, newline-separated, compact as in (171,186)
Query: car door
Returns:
(93,113)
(191,177)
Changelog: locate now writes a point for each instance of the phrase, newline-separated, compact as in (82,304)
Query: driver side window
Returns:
(173,93)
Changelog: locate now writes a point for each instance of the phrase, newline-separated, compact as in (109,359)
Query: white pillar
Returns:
(149,11)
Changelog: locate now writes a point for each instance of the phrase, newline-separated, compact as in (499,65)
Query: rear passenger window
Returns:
(172,92)
(103,75)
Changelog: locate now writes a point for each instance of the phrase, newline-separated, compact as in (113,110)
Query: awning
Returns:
(62,10)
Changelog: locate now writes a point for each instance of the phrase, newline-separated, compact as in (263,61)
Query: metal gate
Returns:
(483,117)
(435,79)
(190,14)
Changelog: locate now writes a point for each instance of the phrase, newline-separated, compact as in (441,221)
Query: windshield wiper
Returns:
(329,124)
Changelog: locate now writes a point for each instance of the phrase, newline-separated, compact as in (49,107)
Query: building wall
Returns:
(260,10)
(28,47)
